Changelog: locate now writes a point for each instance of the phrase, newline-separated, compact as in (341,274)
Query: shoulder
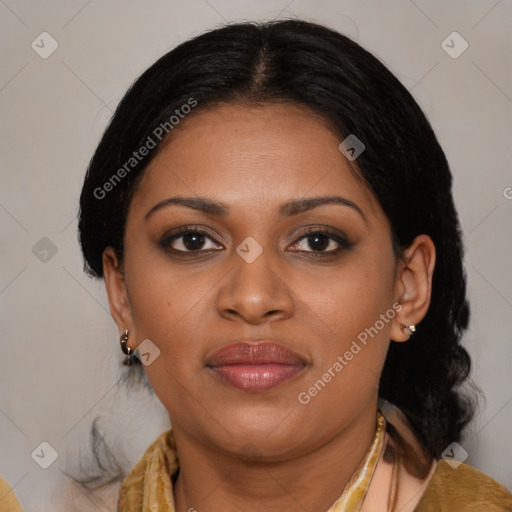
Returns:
(464,489)
(8,503)
(159,460)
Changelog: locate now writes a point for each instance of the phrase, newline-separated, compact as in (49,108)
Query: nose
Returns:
(255,292)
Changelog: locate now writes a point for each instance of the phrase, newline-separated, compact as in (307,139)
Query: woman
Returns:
(273,218)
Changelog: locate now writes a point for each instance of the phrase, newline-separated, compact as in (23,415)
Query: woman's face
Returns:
(253,270)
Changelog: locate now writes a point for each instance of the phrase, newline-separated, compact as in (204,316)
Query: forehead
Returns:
(253,156)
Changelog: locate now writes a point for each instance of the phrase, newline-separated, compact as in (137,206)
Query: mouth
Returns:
(255,366)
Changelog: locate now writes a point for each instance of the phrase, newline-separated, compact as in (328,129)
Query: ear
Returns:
(120,307)
(413,286)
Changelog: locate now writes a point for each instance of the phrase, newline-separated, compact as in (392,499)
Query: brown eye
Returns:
(192,241)
(189,240)
(321,242)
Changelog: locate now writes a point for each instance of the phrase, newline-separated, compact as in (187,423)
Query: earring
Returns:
(411,328)
(126,349)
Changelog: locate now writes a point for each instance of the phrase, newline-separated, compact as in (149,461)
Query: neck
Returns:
(212,480)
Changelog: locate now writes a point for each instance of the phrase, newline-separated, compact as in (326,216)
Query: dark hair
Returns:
(403,164)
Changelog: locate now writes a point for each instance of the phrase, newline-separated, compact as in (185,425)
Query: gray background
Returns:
(59,366)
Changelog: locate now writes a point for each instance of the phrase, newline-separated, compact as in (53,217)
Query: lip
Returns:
(255,366)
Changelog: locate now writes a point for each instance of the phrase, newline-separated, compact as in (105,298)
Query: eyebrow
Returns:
(288,209)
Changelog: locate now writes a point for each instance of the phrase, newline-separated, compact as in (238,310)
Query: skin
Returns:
(263,451)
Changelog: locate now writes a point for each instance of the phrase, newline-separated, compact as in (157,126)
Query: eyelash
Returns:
(343,242)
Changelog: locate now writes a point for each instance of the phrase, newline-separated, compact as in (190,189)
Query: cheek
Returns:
(343,303)
(162,297)
(350,314)
(172,306)
(347,364)
(165,309)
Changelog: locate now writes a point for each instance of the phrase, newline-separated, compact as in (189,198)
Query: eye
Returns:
(194,240)
(189,240)
(321,242)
